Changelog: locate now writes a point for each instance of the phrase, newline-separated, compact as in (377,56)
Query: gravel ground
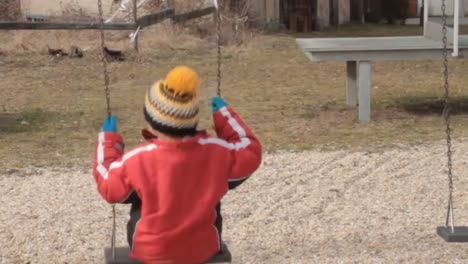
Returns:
(304,207)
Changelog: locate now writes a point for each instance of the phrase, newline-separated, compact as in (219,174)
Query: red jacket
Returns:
(180,183)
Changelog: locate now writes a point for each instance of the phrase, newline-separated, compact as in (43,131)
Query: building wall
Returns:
(265,11)
(344,11)
(61,7)
(340,12)
(10,9)
(323,14)
(272,11)
(435,7)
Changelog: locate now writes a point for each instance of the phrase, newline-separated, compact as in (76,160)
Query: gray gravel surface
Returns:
(303,207)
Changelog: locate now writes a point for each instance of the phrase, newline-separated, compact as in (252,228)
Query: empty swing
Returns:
(449,232)
(120,255)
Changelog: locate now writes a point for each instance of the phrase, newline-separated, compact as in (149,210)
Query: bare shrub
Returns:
(170,35)
(235,22)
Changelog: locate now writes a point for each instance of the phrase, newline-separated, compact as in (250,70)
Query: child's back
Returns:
(180,180)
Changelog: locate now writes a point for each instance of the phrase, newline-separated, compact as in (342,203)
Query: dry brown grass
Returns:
(290,102)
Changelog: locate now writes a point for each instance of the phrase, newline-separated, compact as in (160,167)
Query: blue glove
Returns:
(110,124)
(217,103)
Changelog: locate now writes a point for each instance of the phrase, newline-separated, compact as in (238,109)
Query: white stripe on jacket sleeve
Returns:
(116,164)
(243,143)
(100,156)
(244,140)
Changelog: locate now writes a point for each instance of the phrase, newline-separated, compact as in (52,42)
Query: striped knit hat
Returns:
(171,105)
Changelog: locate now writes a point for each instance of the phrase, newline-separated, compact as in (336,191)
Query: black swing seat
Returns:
(459,234)
(121,256)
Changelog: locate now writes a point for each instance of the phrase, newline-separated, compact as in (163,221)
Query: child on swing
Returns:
(177,178)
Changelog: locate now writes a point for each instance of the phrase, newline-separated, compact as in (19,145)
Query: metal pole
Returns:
(426,11)
(456,23)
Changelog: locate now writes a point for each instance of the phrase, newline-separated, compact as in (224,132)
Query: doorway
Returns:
(298,15)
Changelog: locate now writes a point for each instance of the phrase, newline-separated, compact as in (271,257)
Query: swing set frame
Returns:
(449,232)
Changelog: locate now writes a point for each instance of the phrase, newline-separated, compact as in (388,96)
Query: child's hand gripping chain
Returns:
(217,103)
(110,124)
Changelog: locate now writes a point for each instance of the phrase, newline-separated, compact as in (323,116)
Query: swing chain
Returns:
(108,108)
(218,38)
(103,59)
(113,232)
(446,114)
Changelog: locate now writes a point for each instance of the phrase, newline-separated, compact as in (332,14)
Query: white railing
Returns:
(456,24)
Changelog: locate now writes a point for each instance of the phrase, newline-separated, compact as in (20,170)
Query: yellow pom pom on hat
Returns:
(172,104)
(183,80)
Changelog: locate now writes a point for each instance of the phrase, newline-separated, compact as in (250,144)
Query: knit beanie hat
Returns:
(172,104)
